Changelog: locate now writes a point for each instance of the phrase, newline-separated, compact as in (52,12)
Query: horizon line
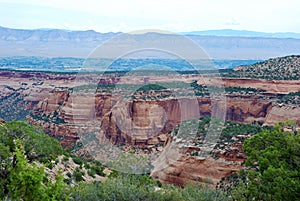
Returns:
(179,32)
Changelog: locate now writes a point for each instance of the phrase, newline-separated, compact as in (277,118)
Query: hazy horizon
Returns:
(175,16)
(180,32)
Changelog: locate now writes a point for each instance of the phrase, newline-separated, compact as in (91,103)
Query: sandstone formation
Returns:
(142,124)
(74,116)
(133,121)
(177,165)
(282,112)
(273,86)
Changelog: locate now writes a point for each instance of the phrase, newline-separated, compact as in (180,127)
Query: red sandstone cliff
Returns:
(144,123)
(134,121)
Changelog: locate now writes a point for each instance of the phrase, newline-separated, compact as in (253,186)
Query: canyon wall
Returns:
(134,122)
(273,86)
(72,117)
(145,123)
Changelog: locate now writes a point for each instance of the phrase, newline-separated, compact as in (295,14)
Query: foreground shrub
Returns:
(139,187)
(273,166)
(27,181)
(22,143)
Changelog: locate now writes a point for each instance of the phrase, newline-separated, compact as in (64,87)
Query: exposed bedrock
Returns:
(134,122)
(145,123)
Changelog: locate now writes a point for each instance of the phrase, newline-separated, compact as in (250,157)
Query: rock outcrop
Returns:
(192,169)
(135,122)
(178,164)
(273,86)
(74,116)
(282,112)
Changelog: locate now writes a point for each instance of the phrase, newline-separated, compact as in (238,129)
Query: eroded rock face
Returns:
(70,116)
(190,169)
(142,123)
(122,121)
(133,122)
(247,109)
(177,165)
(274,86)
(21,91)
(282,112)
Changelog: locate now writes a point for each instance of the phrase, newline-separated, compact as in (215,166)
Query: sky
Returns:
(132,15)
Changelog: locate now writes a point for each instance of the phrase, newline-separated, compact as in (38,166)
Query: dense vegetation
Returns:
(272,166)
(25,151)
(139,187)
(21,144)
(272,169)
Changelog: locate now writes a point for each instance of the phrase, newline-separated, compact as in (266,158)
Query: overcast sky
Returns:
(173,15)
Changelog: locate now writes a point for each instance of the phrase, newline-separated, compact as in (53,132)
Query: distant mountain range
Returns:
(47,35)
(219,44)
(243,33)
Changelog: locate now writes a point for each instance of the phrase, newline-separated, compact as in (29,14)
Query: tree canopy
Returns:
(273,165)
(20,178)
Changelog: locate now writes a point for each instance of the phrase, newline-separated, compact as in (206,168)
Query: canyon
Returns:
(145,123)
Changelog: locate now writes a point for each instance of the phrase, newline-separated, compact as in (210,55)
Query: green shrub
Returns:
(86,165)
(98,170)
(139,187)
(67,181)
(77,175)
(66,158)
(69,174)
(78,160)
(91,172)
(49,165)
(36,145)
(273,166)
(27,182)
